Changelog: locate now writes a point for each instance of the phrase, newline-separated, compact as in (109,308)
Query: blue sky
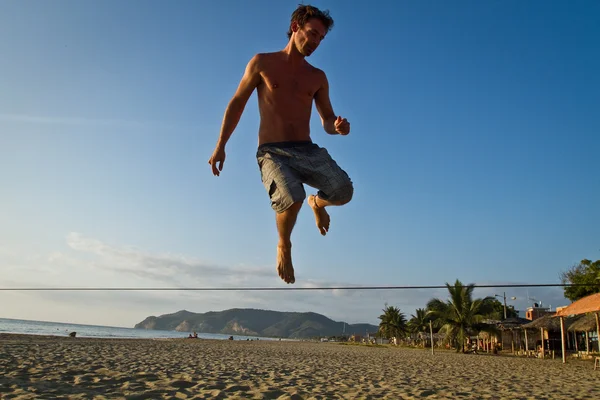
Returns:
(474,154)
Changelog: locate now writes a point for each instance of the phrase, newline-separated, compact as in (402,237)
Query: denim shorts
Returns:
(286,166)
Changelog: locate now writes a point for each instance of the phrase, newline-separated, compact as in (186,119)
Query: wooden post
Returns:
(562,339)
(512,341)
(543,350)
(587,341)
(598,328)
(526,344)
(431,333)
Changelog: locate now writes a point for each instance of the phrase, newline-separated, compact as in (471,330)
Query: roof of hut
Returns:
(547,322)
(550,323)
(586,323)
(587,304)
(513,322)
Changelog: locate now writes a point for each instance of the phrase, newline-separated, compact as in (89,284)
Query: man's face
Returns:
(308,38)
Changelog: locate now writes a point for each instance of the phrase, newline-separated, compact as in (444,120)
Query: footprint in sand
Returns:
(273,394)
(183,384)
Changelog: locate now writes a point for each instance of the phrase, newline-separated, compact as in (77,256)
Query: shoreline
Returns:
(223,336)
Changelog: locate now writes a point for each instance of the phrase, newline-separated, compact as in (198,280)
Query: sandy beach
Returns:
(34,367)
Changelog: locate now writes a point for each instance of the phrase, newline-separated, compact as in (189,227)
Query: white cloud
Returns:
(89,262)
(178,270)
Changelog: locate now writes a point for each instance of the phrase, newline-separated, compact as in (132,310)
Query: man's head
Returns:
(308,27)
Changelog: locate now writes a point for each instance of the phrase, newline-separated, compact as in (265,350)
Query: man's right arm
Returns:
(235,108)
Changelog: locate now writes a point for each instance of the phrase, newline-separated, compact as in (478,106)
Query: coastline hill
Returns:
(253,322)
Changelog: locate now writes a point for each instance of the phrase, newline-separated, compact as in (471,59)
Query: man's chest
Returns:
(303,84)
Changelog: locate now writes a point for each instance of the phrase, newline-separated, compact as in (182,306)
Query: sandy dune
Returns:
(33,367)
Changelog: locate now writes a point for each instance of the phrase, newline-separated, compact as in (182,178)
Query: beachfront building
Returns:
(589,305)
(510,337)
(520,340)
(536,311)
(571,329)
(586,335)
(543,336)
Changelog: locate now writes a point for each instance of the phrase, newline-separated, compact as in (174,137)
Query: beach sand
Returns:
(34,367)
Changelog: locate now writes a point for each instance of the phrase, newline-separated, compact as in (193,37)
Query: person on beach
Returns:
(287,157)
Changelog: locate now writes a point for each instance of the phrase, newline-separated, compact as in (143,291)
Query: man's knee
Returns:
(346,193)
(342,194)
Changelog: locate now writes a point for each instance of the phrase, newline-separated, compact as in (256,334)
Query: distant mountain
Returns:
(253,322)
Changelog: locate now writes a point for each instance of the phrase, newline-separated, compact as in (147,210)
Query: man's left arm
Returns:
(333,125)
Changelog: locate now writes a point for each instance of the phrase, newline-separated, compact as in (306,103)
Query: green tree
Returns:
(460,315)
(498,310)
(393,322)
(419,322)
(584,273)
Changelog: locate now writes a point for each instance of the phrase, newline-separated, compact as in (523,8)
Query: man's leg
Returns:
(322,218)
(287,194)
(285,224)
(334,184)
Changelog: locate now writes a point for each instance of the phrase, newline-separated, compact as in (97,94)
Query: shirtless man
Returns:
(286,85)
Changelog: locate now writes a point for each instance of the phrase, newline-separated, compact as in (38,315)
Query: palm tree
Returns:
(460,315)
(420,322)
(393,322)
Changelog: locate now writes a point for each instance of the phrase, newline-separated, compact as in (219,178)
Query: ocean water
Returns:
(93,331)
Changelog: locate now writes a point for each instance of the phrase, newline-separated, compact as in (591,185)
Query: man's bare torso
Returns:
(285,98)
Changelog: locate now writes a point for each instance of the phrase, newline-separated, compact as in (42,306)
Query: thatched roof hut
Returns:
(585,323)
(512,323)
(588,304)
(549,322)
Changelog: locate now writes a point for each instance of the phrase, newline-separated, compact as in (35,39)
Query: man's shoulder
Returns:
(269,54)
(318,72)
(313,69)
(261,60)
(266,56)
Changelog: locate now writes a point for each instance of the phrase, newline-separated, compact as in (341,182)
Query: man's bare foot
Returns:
(321,216)
(285,269)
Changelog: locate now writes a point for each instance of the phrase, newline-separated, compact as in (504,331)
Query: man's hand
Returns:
(342,126)
(218,156)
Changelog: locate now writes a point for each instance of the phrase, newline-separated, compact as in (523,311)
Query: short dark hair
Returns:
(305,12)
